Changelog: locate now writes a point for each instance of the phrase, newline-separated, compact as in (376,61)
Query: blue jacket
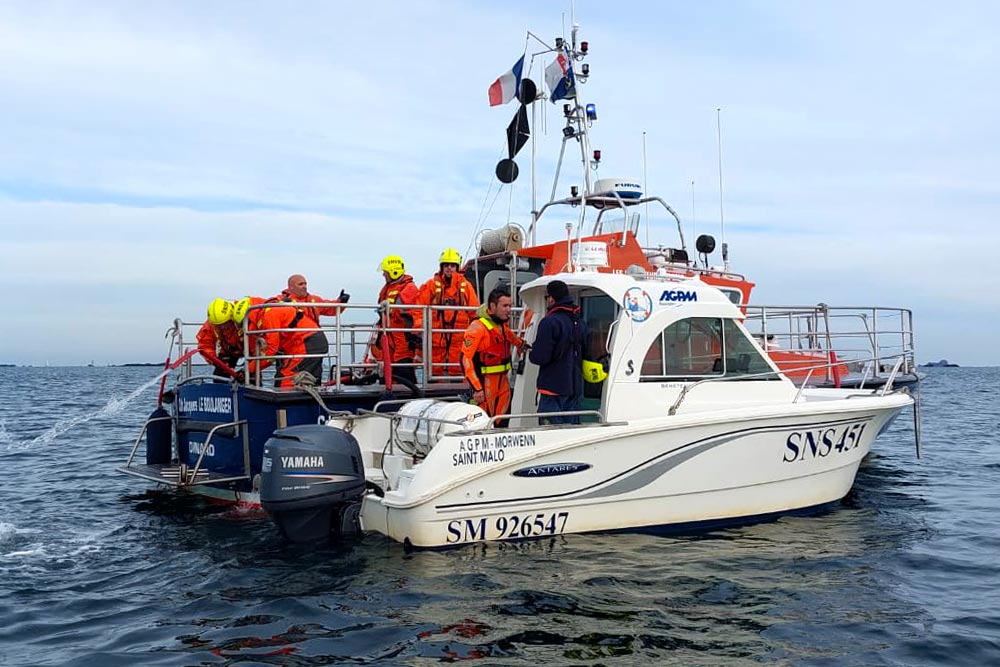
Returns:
(558,349)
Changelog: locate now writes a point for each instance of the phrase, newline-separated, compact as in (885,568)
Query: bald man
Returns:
(298,292)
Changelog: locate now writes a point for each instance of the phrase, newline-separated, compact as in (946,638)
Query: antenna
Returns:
(722,217)
(693,219)
(645,183)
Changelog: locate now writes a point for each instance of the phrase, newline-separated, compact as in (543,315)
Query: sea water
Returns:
(97,569)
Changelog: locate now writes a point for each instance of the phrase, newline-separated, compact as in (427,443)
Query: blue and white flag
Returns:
(505,88)
(560,79)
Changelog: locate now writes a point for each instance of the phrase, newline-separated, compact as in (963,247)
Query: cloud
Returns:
(156,156)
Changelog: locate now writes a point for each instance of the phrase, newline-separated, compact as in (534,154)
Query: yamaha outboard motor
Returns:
(312,482)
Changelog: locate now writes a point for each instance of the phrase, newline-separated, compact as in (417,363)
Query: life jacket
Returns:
(494,358)
(460,292)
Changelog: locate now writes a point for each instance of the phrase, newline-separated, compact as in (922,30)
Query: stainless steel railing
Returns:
(857,335)
(350,344)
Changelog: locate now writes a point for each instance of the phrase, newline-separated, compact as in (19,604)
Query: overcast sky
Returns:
(156,155)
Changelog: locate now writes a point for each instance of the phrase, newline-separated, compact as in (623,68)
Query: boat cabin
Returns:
(655,335)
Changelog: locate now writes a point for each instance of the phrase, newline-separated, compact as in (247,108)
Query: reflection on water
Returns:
(94,569)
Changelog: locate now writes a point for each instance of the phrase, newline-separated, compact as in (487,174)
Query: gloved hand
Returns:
(414,341)
(241,377)
(344,297)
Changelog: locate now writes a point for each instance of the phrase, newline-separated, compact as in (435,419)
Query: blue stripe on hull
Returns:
(695,527)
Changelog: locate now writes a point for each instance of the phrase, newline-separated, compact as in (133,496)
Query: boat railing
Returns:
(851,336)
(539,416)
(604,203)
(684,266)
(193,474)
(180,474)
(423,421)
(352,357)
(803,385)
(145,427)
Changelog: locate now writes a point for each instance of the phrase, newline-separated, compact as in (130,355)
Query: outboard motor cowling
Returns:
(312,481)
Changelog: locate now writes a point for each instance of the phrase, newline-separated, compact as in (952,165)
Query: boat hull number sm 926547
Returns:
(506,527)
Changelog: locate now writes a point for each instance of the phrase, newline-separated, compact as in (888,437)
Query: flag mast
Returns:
(722,217)
(562,82)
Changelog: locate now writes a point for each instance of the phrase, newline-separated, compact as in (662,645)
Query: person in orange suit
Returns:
(304,339)
(298,292)
(248,321)
(486,354)
(245,318)
(448,287)
(219,339)
(281,315)
(403,346)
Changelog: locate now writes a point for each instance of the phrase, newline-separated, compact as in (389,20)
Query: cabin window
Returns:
(699,347)
(599,312)
(501,278)
(734,295)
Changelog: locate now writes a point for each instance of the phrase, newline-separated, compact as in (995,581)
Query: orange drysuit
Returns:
(315,311)
(486,362)
(305,340)
(254,321)
(221,345)
(403,346)
(446,347)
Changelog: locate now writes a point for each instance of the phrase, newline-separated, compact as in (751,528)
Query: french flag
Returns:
(504,89)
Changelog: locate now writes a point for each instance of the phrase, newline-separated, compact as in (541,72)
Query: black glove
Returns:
(241,377)
(414,341)
(344,297)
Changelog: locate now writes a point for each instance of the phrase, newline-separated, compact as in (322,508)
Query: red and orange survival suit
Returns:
(448,287)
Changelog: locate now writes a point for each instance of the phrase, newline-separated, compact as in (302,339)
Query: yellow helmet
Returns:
(593,372)
(220,311)
(393,265)
(450,256)
(240,309)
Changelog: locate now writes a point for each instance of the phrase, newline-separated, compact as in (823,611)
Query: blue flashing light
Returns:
(591,111)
